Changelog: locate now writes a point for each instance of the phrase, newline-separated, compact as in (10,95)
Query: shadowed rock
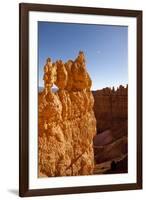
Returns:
(110,107)
(111,140)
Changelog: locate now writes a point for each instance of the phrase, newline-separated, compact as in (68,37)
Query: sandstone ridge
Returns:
(67,123)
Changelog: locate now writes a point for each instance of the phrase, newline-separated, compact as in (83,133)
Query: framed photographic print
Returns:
(80,99)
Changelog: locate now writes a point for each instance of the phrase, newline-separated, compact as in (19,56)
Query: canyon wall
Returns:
(110,107)
(111,140)
(67,123)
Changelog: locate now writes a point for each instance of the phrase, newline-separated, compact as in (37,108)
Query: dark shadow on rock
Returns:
(113,165)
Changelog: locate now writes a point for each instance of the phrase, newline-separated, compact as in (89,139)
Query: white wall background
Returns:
(9,100)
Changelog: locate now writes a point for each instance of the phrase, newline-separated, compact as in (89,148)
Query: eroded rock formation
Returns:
(111,140)
(67,123)
(110,106)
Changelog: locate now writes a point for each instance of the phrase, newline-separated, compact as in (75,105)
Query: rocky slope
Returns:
(111,140)
(67,123)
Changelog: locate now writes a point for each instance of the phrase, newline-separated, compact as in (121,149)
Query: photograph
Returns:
(80,86)
(82,99)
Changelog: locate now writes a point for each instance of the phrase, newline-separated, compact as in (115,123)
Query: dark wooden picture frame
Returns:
(24,9)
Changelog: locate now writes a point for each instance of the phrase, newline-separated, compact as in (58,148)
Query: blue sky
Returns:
(105,48)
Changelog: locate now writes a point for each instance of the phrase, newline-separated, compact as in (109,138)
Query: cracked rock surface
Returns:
(67,123)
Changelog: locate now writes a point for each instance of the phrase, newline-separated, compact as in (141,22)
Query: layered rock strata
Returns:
(111,140)
(110,107)
(67,123)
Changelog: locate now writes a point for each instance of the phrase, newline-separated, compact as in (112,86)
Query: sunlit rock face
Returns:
(67,123)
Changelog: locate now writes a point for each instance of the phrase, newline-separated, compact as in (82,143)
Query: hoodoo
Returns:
(67,123)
